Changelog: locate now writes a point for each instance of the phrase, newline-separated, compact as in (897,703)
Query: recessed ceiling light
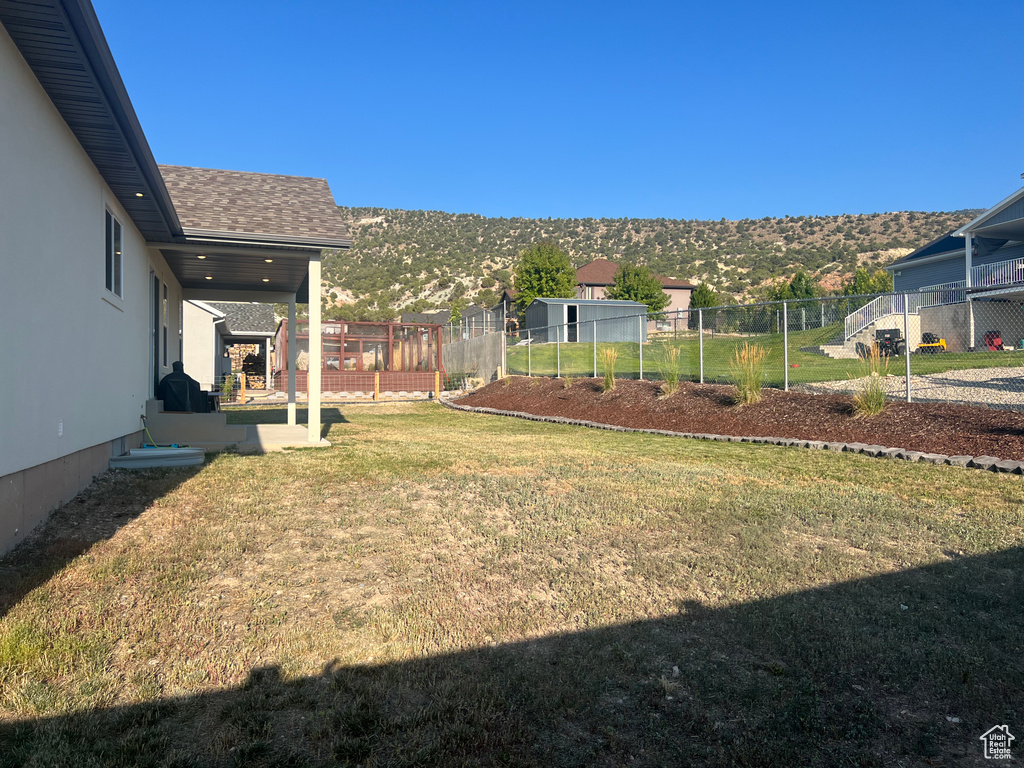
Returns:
(200,256)
(209,278)
(269,261)
(138,194)
(266,279)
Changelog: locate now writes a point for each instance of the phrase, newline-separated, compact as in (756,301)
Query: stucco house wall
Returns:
(202,347)
(76,368)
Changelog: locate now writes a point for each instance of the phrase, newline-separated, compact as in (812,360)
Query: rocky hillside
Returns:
(425,258)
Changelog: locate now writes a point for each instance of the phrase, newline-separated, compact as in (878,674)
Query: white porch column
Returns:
(266,359)
(969,257)
(315,342)
(292,355)
(969,262)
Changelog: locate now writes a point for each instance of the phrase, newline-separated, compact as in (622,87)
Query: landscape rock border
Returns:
(990,463)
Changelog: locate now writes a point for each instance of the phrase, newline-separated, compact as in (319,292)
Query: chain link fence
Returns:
(474,323)
(931,347)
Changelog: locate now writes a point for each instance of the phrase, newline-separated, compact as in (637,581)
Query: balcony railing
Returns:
(1001,273)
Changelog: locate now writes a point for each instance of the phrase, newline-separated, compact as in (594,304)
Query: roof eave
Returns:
(254,238)
(83,20)
(968,228)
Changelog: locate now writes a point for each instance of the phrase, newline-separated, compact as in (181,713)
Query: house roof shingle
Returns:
(597,272)
(262,206)
(242,319)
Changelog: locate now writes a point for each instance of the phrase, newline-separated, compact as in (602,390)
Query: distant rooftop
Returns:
(602,272)
(243,318)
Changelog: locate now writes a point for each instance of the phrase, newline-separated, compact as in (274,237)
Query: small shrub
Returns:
(870,400)
(608,357)
(670,363)
(567,381)
(747,367)
(227,387)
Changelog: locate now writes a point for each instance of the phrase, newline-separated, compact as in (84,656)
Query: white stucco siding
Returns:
(71,351)
(200,345)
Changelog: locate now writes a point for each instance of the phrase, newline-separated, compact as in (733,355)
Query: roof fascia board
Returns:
(212,235)
(926,260)
(82,19)
(972,225)
(207,308)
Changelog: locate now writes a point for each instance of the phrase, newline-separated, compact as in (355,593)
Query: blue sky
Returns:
(676,110)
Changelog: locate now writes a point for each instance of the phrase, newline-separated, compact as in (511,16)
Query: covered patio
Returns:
(257,238)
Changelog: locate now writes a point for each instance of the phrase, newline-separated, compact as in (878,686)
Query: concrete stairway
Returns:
(838,349)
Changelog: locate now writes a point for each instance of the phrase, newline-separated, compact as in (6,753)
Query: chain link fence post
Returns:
(558,351)
(906,340)
(529,354)
(700,341)
(785,346)
(640,345)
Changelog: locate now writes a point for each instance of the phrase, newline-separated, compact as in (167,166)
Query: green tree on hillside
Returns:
(703,296)
(633,283)
(800,287)
(544,270)
(863,282)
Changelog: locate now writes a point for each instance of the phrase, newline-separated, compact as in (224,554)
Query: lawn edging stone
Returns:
(990,463)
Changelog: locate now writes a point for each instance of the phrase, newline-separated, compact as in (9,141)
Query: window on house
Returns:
(113,256)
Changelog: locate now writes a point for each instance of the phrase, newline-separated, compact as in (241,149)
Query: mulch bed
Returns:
(954,430)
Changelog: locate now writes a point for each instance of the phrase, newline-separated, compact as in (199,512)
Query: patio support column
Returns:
(313,375)
(266,359)
(293,345)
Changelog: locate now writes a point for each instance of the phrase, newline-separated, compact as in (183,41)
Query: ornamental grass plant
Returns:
(670,364)
(748,370)
(869,400)
(608,357)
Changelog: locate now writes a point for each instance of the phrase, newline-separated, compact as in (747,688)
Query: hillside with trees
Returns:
(415,260)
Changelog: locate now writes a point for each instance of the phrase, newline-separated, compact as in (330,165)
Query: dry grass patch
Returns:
(448,589)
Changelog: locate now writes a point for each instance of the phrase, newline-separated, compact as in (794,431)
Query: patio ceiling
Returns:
(212,271)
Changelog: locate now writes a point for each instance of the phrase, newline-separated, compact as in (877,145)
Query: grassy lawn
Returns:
(578,359)
(444,588)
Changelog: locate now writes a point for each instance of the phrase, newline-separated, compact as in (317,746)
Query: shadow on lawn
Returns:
(279,415)
(112,501)
(907,668)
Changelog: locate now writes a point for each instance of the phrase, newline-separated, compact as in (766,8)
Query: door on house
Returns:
(572,313)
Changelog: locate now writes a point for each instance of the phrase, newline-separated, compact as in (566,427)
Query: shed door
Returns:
(572,315)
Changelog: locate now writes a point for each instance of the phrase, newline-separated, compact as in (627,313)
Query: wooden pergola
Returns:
(404,355)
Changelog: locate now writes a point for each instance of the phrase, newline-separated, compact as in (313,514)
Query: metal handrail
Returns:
(1000,273)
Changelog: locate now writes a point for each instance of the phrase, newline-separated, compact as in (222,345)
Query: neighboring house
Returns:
(594,279)
(211,328)
(100,247)
(549,320)
(969,281)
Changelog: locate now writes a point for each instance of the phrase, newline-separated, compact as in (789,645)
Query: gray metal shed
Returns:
(574,320)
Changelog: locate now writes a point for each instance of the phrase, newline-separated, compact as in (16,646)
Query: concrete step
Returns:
(146,458)
(837,352)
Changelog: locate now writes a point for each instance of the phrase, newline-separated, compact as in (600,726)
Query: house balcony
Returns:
(1002,273)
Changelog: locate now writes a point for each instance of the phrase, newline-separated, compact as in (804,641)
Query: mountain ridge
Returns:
(415,260)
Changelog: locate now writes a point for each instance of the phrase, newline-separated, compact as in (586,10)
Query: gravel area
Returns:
(992,387)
